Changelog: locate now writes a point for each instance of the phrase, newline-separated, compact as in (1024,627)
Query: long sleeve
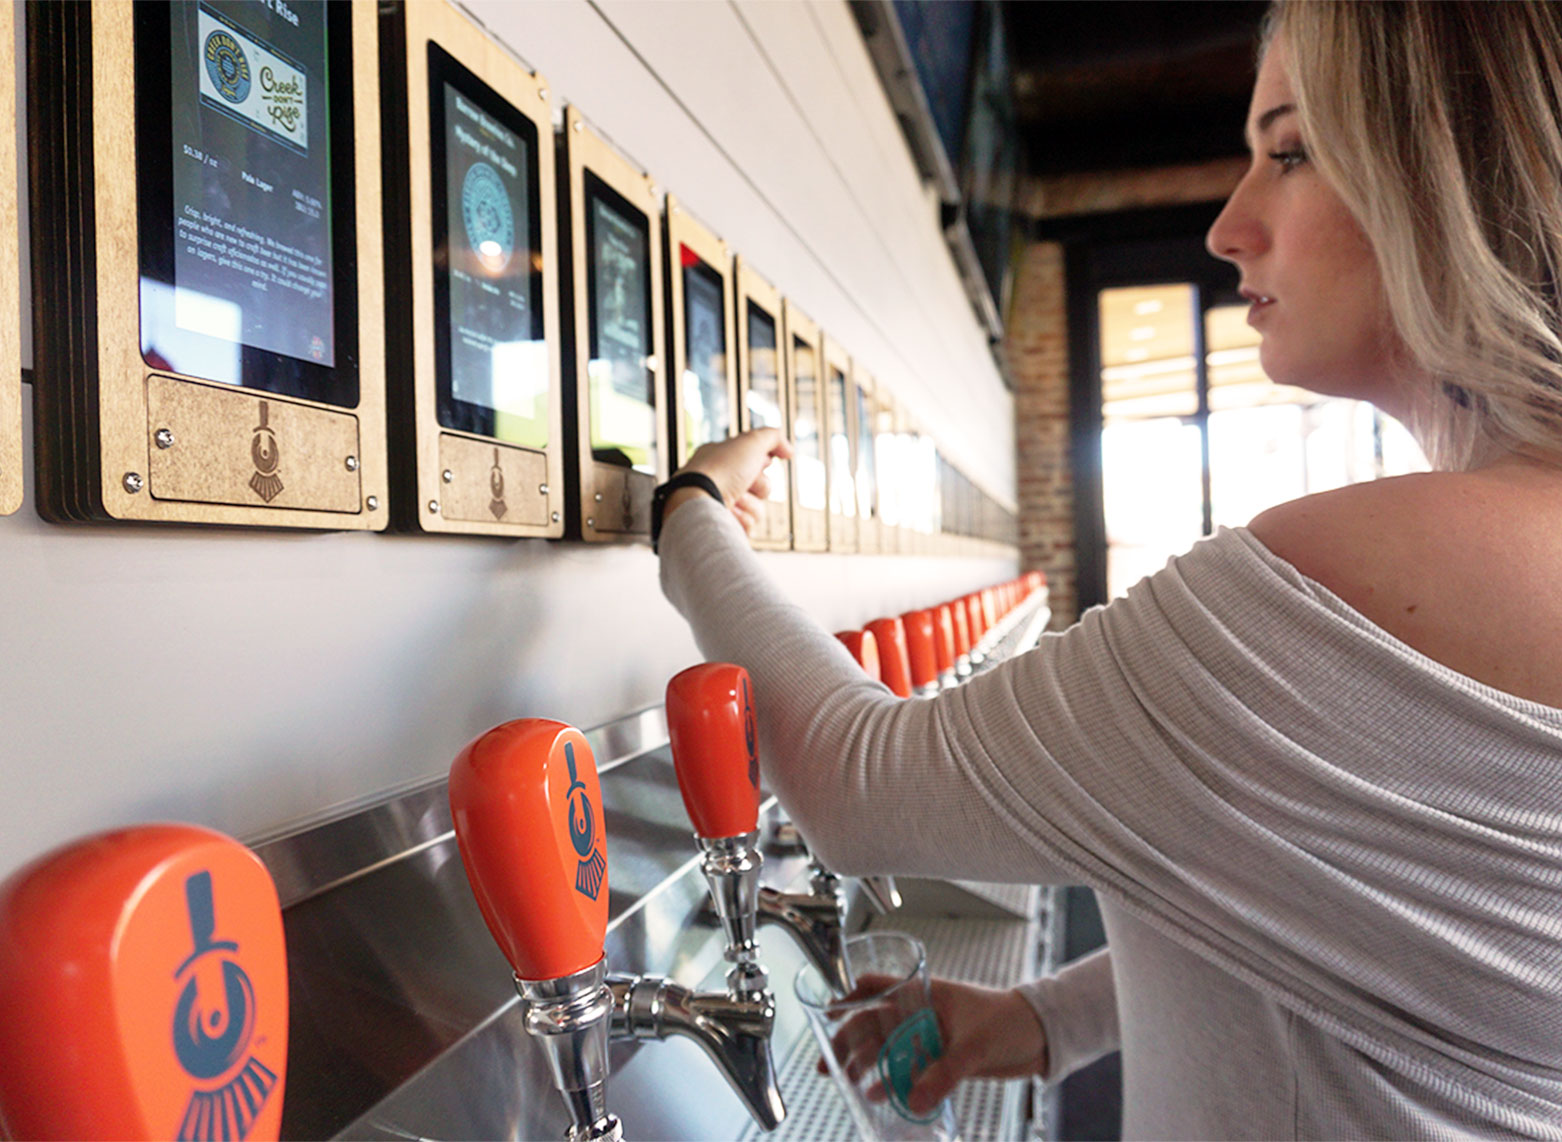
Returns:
(1078,1011)
(1233,757)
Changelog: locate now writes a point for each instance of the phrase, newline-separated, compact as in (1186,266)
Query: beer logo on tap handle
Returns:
(592,868)
(750,736)
(211,1041)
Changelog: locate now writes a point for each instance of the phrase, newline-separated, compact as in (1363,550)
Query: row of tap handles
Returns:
(527,807)
(177,930)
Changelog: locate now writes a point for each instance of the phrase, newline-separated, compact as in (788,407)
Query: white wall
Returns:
(248,681)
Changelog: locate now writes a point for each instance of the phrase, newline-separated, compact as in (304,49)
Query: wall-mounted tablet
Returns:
(617,445)
(473,369)
(10,292)
(865,472)
(764,385)
(810,483)
(207,261)
(702,342)
(840,445)
(889,474)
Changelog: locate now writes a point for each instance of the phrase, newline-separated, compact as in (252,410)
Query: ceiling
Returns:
(1130,83)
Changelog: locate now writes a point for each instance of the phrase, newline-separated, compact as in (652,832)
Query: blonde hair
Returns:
(1440,125)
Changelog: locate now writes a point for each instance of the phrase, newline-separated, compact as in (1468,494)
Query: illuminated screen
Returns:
(702,397)
(842,500)
(623,412)
(491,359)
(867,465)
(242,280)
(807,445)
(763,399)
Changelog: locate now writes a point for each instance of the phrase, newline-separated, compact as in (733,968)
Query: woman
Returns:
(1313,768)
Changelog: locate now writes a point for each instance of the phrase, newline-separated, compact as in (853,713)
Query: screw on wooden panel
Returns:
(433,507)
(579,126)
(598,497)
(352,463)
(542,93)
(132,482)
(164,438)
(555,517)
(542,489)
(447,475)
(591,522)
(372,503)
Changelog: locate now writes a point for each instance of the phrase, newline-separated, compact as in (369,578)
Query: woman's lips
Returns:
(1259,304)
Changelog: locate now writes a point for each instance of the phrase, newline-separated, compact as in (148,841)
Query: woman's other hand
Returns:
(987,1033)
(738,468)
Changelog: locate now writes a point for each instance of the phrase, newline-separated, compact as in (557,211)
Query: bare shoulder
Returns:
(1464,567)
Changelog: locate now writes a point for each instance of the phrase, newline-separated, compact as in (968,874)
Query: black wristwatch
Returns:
(681,480)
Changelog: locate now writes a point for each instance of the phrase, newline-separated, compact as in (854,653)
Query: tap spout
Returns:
(882,894)
(817,921)
(733,1029)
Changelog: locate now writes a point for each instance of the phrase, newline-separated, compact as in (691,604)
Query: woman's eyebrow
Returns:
(1268,117)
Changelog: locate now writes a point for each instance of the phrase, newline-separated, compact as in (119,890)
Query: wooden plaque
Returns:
(614,475)
(703,393)
(810,488)
(470,454)
(840,433)
(236,453)
(765,404)
(10,290)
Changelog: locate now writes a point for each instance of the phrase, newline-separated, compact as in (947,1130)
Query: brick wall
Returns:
(1037,350)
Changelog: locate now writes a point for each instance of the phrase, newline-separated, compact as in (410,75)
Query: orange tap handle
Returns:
(974,617)
(864,648)
(894,662)
(943,638)
(143,980)
(962,627)
(990,612)
(528,812)
(715,743)
(919,647)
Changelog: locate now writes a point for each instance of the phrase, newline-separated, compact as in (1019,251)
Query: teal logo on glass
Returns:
(490,221)
(910,1050)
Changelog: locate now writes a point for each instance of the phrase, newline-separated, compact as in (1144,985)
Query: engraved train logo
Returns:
(212,1041)
(592,869)
(496,488)
(263,450)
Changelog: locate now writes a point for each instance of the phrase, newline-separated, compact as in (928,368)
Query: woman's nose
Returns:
(1237,232)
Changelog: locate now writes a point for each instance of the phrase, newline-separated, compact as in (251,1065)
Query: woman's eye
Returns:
(1289,160)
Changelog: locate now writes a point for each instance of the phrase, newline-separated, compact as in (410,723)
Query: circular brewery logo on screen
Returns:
(227,66)
(490,223)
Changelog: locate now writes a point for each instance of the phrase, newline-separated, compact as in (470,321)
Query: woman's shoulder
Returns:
(1465,567)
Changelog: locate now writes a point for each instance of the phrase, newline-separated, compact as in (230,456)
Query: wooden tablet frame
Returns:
(840,448)
(774,530)
(810,525)
(608,502)
(118,439)
(684,231)
(445,479)
(865,472)
(10,280)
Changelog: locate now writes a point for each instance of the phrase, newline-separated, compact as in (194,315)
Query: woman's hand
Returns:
(987,1033)
(738,468)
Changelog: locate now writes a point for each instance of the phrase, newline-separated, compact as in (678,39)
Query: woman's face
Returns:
(1307,267)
